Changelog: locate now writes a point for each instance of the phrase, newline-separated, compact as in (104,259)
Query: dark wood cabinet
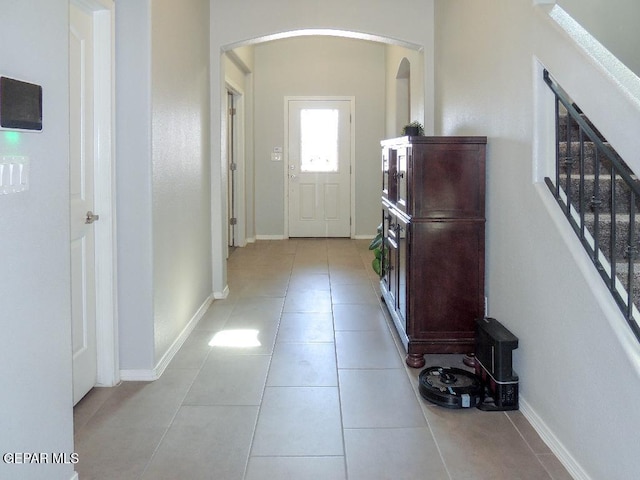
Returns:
(433,201)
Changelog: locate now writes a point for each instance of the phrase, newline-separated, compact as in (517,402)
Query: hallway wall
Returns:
(181,165)
(164,235)
(393,57)
(318,66)
(35,343)
(540,282)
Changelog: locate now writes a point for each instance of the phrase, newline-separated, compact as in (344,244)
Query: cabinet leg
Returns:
(470,360)
(415,360)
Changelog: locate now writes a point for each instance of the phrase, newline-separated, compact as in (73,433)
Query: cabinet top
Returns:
(433,140)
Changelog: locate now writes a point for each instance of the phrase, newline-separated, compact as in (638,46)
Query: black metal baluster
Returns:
(568,166)
(557,184)
(596,203)
(581,202)
(612,233)
(631,253)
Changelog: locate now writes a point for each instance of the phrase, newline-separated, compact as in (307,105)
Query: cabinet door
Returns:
(387,218)
(386,165)
(448,181)
(391,272)
(447,265)
(400,177)
(402,235)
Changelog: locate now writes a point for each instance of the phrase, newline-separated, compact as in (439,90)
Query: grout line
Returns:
(264,387)
(175,414)
(401,353)
(535,454)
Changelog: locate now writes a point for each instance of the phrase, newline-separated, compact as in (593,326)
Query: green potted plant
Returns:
(414,129)
(378,251)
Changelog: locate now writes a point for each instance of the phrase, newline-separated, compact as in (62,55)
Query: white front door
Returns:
(319,168)
(81,157)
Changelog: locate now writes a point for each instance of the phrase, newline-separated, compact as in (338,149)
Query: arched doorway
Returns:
(231,26)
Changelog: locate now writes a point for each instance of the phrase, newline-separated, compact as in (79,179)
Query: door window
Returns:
(318,140)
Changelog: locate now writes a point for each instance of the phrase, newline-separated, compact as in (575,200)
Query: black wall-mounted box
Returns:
(20,104)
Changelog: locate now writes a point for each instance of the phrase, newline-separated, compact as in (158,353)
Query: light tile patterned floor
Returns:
(325,396)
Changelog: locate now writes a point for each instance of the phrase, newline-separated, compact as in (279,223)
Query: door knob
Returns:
(91,217)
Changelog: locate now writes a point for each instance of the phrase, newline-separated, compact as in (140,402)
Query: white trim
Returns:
(223,294)
(325,32)
(271,237)
(554,444)
(75,476)
(352,153)
(105,231)
(161,366)
(103,13)
(138,375)
(364,237)
(239,159)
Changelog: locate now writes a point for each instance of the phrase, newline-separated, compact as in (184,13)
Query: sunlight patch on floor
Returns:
(236,338)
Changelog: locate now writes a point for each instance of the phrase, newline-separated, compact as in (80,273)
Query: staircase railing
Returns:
(599,196)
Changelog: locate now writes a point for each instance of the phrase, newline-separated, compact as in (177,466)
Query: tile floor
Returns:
(326,394)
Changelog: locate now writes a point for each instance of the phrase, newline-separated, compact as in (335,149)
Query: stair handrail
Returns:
(593,136)
(619,169)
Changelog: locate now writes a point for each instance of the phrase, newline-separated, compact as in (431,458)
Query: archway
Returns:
(403,94)
(228,33)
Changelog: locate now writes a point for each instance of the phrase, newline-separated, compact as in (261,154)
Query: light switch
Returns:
(14,174)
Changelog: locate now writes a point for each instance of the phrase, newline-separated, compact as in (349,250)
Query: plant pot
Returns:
(412,131)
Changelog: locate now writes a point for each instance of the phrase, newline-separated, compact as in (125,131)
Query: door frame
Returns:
(239,159)
(352,154)
(108,365)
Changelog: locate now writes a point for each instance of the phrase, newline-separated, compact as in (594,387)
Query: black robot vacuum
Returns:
(450,387)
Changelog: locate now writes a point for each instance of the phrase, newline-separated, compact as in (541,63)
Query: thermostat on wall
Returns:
(20,105)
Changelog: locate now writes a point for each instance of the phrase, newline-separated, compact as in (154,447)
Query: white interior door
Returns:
(319,168)
(81,153)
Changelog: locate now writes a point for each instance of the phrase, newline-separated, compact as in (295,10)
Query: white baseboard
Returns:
(138,375)
(364,237)
(554,444)
(221,295)
(150,375)
(270,237)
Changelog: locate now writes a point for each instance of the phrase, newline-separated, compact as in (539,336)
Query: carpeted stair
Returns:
(569,146)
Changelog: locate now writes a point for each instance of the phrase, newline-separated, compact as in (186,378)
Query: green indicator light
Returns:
(12,138)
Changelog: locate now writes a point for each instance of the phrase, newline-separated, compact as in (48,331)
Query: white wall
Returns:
(181,165)
(234,24)
(577,374)
(35,345)
(613,23)
(394,55)
(164,236)
(318,66)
